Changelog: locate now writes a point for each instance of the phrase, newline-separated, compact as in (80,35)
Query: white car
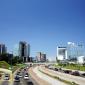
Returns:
(6,77)
(26,77)
(20,76)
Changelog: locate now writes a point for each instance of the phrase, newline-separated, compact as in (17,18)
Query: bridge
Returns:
(50,63)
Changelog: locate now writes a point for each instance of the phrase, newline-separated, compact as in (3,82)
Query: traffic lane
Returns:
(23,81)
(33,81)
(29,81)
(16,83)
(5,83)
(26,81)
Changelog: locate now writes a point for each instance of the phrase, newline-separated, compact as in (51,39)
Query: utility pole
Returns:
(11,55)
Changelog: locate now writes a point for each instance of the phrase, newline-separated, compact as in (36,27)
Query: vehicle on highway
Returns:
(67,71)
(26,73)
(56,69)
(18,72)
(0,76)
(75,73)
(17,79)
(26,77)
(30,83)
(6,77)
(20,76)
(83,74)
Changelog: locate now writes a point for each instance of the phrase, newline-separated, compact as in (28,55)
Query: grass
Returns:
(4,65)
(14,68)
(65,81)
(73,67)
(18,66)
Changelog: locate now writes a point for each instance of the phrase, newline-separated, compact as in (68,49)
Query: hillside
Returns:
(4,64)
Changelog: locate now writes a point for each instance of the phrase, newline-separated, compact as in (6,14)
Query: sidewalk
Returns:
(76,79)
(37,78)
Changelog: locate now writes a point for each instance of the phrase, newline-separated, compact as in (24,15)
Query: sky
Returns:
(44,24)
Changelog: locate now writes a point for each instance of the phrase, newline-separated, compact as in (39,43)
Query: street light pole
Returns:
(11,75)
(11,59)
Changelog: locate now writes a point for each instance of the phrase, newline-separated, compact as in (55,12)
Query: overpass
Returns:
(50,63)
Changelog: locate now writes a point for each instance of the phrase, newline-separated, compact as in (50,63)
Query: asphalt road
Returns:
(5,83)
(30,81)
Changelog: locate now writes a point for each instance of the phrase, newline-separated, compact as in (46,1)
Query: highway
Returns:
(64,76)
(45,77)
(29,81)
(5,83)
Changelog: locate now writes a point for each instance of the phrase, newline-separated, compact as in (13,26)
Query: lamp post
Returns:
(11,59)
(11,55)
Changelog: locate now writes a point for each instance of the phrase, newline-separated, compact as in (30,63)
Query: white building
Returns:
(61,53)
(81,59)
(41,57)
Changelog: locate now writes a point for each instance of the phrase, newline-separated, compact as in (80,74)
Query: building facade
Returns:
(62,53)
(81,59)
(75,50)
(41,57)
(24,51)
(3,49)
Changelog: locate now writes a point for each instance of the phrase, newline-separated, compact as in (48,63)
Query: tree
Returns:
(4,57)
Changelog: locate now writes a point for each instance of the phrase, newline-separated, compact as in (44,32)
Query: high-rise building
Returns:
(3,49)
(75,50)
(41,57)
(38,56)
(24,50)
(28,50)
(62,53)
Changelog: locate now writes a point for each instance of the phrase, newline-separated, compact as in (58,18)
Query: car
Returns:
(18,73)
(26,77)
(51,67)
(30,83)
(26,73)
(6,77)
(0,76)
(27,67)
(83,74)
(17,79)
(24,69)
(20,76)
(56,69)
(67,71)
(75,73)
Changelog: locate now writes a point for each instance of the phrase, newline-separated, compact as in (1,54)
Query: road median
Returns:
(36,78)
(58,78)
